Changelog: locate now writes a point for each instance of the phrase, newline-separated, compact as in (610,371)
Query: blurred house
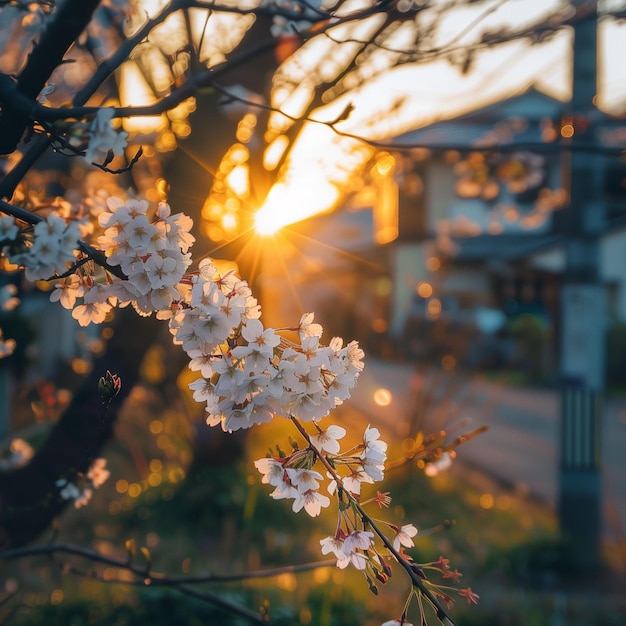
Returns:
(473,224)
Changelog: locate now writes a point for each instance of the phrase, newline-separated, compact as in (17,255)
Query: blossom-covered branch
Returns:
(249,374)
(357,547)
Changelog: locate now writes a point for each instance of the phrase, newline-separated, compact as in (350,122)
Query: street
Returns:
(520,447)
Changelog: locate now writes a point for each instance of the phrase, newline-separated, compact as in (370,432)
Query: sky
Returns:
(512,67)
(437,91)
(423,93)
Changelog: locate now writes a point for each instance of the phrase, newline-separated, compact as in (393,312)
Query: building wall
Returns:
(613,269)
(408,270)
(439,193)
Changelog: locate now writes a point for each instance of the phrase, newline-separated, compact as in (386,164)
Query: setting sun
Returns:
(290,203)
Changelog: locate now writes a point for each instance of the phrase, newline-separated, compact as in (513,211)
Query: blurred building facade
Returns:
(480,232)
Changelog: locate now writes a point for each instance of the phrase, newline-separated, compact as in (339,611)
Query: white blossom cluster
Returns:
(300,484)
(151,252)
(46,250)
(292,476)
(104,138)
(356,547)
(81,491)
(250,373)
(20,452)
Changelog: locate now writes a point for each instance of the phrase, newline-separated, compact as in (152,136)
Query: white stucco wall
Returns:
(439,193)
(409,269)
(613,268)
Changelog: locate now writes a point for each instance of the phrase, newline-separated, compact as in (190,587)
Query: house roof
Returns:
(504,247)
(513,247)
(518,120)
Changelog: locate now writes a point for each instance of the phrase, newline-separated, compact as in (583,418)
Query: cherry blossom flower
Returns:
(19,454)
(355,547)
(253,358)
(306,327)
(103,138)
(98,474)
(284,490)
(201,360)
(354,356)
(334,545)
(404,536)
(82,490)
(438,466)
(353,481)
(250,388)
(304,479)
(312,501)
(374,454)
(358,540)
(202,388)
(51,248)
(68,291)
(299,483)
(263,340)
(68,490)
(272,471)
(9,230)
(328,439)
(91,312)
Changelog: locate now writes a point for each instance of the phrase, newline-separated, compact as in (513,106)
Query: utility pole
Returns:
(583,317)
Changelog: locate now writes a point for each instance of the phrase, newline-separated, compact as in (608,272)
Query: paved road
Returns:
(520,446)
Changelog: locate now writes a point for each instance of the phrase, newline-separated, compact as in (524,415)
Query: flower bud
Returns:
(109,385)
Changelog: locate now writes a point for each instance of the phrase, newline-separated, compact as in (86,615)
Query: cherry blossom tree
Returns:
(124,256)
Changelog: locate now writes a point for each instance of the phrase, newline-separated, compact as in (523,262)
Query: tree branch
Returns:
(105,69)
(152,578)
(69,21)
(158,578)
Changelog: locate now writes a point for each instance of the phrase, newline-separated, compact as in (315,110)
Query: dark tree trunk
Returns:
(29,497)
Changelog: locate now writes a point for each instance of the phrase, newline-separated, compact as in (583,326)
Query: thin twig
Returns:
(150,578)
(157,578)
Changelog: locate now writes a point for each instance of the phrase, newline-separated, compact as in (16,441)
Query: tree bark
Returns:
(29,497)
(69,21)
